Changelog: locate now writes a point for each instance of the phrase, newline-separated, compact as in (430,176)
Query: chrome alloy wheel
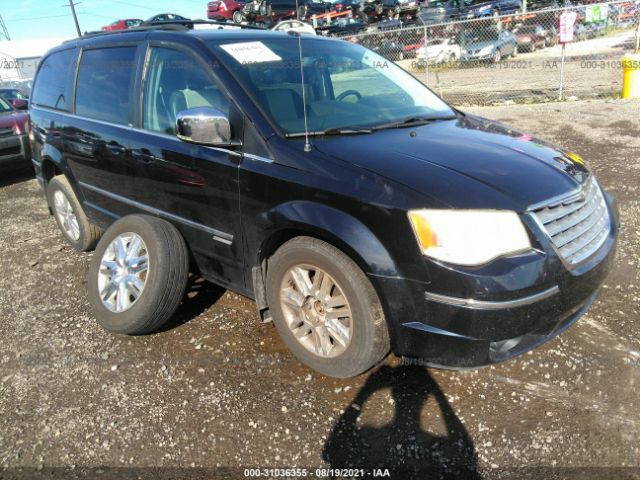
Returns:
(66,215)
(316,310)
(124,270)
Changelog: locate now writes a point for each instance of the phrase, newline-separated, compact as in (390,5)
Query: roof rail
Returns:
(191,23)
(172,25)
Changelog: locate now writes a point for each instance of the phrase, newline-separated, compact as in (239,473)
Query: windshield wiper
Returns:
(333,131)
(410,121)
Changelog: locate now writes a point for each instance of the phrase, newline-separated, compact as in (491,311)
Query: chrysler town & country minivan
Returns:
(361,212)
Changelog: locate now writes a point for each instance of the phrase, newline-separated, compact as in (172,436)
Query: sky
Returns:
(27,19)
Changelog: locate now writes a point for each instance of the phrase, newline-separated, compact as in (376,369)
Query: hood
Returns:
(9,119)
(469,162)
(479,45)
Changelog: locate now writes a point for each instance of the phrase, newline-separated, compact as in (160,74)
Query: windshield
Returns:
(346,85)
(4,106)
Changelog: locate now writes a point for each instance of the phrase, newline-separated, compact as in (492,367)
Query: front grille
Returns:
(578,226)
(5,152)
(5,132)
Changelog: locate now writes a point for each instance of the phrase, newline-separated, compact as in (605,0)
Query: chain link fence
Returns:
(514,58)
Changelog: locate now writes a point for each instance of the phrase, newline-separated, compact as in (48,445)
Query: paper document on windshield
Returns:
(251,52)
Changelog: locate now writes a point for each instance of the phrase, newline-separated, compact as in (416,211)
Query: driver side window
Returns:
(176,82)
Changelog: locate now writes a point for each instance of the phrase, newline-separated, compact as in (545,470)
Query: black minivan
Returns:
(361,212)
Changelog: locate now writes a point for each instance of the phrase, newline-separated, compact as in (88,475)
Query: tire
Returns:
(515,51)
(497,56)
(379,9)
(163,275)
(73,223)
(367,340)
(238,17)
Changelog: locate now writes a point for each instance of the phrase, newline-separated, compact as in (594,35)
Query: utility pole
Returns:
(75,17)
(4,33)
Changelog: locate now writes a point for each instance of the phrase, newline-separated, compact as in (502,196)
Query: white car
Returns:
(439,50)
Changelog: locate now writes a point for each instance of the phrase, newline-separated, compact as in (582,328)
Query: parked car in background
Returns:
(440,11)
(14,141)
(15,97)
(530,37)
(487,44)
(283,9)
(165,17)
(226,10)
(439,50)
(123,24)
(484,8)
(342,26)
(397,8)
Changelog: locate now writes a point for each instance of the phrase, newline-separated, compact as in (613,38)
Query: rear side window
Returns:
(104,81)
(54,82)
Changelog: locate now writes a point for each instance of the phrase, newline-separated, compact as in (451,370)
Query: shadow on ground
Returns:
(199,296)
(13,174)
(408,445)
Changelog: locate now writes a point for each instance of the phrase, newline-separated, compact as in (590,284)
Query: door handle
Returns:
(143,154)
(115,149)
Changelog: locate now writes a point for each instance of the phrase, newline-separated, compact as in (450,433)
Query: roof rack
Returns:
(174,25)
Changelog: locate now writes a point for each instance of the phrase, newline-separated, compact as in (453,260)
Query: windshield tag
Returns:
(251,52)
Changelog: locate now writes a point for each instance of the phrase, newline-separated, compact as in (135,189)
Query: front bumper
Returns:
(500,311)
(472,57)
(15,150)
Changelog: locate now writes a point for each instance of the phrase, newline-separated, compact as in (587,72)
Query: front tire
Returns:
(70,216)
(325,309)
(238,17)
(138,275)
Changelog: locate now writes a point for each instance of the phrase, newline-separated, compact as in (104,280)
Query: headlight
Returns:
(468,237)
(486,50)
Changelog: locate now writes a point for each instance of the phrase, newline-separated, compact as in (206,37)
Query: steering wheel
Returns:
(347,93)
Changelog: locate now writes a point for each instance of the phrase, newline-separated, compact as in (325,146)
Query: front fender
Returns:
(340,228)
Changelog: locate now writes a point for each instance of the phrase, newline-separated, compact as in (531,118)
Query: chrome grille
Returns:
(578,226)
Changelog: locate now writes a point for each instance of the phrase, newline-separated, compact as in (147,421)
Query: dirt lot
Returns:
(217,391)
(592,68)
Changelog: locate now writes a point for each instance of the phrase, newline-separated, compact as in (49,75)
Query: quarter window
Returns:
(176,82)
(53,84)
(104,84)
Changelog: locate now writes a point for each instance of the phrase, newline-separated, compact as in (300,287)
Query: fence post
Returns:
(561,73)
(426,57)
(638,32)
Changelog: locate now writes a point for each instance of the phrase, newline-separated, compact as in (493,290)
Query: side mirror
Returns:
(204,126)
(20,104)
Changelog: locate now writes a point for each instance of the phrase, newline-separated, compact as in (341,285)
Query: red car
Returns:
(14,139)
(123,24)
(225,10)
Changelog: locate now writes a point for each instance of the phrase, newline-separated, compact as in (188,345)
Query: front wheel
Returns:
(497,56)
(238,17)
(325,309)
(515,51)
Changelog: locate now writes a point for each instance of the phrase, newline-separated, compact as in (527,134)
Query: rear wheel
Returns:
(138,275)
(70,217)
(325,309)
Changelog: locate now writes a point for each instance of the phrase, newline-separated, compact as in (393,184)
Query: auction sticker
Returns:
(251,52)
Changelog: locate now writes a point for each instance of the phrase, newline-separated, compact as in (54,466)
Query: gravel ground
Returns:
(217,391)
